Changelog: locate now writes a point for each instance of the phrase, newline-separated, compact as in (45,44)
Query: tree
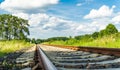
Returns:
(102,33)
(1,27)
(95,35)
(78,37)
(70,37)
(12,27)
(111,29)
(33,40)
(86,37)
(27,39)
(39,41)
(57,38)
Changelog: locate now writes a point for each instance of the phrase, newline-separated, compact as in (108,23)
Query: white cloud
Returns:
(42,18)
(116,19)
(58,24)
(103,11)
(98,25)
(38,19)
(92,26)
(85,2)
(42,23)
(79,4)
(83,28)
(26,5)
(22,15)
(87,28)
(35,19)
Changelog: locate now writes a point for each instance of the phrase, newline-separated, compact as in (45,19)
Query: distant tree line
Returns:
(33,40)
(12,27)
(110,29)
(57,38)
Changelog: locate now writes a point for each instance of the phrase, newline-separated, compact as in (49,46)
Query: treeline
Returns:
(12,27)
(110,29)
(37,41)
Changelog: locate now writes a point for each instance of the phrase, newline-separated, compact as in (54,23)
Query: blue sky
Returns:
(51,18)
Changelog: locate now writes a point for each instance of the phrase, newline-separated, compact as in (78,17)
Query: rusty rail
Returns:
(106,51)
(42,60)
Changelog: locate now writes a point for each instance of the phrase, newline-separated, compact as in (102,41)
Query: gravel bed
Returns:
(8,62)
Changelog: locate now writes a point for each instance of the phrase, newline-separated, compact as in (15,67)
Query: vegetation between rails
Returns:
(108,38)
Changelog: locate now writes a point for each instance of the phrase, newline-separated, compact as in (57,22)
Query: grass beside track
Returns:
(12,46)
(112,41)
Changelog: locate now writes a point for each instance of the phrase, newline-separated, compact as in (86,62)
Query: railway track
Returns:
(57,58)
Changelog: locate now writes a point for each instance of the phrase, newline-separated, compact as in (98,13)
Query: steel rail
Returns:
(107,51)
(43,60)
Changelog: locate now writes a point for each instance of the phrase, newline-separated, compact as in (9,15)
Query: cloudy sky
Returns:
(49,18)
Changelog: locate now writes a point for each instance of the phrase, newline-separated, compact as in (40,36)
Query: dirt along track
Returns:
(19,60)
(67,59)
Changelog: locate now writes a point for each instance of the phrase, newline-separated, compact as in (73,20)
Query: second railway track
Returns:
(67,59)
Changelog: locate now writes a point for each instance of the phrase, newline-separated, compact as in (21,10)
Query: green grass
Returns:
(111,41)
(107,42)
(12,46)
